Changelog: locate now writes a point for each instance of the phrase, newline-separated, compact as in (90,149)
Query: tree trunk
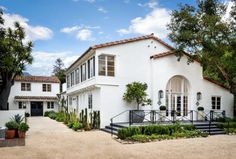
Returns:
(4,94)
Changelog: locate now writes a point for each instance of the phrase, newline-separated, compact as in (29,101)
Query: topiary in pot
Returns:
(200,109)
(12,126)
(22,129)
(162,108)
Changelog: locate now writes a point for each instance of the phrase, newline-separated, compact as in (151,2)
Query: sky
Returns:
(66,28)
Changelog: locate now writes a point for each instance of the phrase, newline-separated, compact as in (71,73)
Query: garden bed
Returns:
(158,133)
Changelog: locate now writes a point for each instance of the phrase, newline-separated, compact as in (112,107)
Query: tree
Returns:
(59,71)
(14,56)
(136,92)
(208,34)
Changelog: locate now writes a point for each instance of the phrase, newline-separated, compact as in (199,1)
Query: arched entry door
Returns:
(177,95)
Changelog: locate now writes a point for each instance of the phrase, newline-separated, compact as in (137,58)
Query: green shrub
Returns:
(12,125)
(23,127)
(70,125)
(18,118)
(52,115)
(59,117)
(226,125)
(47,113)
(76,126)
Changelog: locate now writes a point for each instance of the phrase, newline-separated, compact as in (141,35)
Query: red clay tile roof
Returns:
(124,41)
(46,79)
(172,52)
(36,97)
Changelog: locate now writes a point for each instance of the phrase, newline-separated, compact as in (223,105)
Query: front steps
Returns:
(211,130)
(204,127)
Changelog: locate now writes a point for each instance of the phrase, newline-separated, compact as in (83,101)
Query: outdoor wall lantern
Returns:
(160,96)
(199,96)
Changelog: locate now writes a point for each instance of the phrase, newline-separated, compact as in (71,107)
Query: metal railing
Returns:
(142,117)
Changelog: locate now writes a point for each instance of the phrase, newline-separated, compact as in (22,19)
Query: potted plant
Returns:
(200,113)
(136,92)
(11,126)
(22,129)
(162,112)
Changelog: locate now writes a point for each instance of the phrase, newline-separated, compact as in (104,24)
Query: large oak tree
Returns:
(14,56)
(208,33)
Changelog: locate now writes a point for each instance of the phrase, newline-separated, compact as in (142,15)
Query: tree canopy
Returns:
(136,92)
(208,33)
(15,54)
(59,71)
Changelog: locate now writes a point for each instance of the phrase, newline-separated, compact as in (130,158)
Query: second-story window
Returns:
(72,78)
(68,81)
(47,87)
(83,72)
(77,80)
(91,67)
(25,87)
(106,65)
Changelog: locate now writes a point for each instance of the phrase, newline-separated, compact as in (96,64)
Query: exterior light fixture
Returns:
(160,94)
(199,96)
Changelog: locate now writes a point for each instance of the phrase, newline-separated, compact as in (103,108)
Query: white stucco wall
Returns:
(6,116)
(133,63)
(36,90)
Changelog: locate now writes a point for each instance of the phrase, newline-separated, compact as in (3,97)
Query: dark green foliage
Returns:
(12,125)
(200,108)
(15,54)
(59,116)
(23,127)
(70,124)
(162,107)
(136,92)
(17,118)
(46,114)
(59,72)
(27,114)
(52,115)
(155,129)
(76,126)
(203,31)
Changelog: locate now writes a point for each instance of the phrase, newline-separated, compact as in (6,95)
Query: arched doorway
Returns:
(177,95)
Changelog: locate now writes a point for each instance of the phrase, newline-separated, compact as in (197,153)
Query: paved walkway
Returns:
(48,139)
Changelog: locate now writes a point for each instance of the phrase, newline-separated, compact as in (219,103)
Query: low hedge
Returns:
(153,129)
(226,125)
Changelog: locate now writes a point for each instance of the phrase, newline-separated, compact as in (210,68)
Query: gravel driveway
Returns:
(48,139)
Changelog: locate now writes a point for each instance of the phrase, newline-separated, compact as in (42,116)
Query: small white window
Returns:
(90,101)
(22,105)
(25,87)
(47,87)
(50,105)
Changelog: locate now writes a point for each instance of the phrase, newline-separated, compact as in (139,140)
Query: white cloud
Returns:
(151,4)
(154,22)
(84,35)
(229,5)
(82,32)
(44,61)
(2,8)
(101,9)
(32,32)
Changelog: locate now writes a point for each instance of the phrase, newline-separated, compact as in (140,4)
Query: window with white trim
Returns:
(83,72)
(72,78)
(68,81)
(106,65)
(91,67)
(25,87)
(216,102)
(22,105)
(50,105)
(47,87)
(77,76)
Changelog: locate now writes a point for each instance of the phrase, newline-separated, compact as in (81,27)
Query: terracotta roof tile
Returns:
(36,97)
(46,79)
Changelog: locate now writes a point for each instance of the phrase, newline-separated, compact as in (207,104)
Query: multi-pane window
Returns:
(106,65)
(25,87)
(91,67)
(216,102)
(22,105)
(68,81)
(50,105)
(72,78)
(83,72)
(77,76)
(47,87)
(90,101)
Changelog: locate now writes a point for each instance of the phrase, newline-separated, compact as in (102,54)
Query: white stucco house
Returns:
(97,79)
(34,94)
